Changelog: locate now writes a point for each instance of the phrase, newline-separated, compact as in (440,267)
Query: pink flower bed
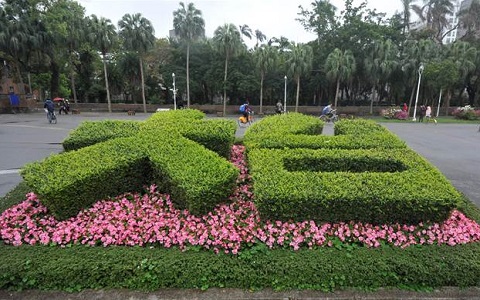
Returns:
(151,219)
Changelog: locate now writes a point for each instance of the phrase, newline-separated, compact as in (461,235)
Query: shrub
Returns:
(366,185)
(74,180)
(466,113)
(197,179)
(394,112)
(325,269)
(90,133)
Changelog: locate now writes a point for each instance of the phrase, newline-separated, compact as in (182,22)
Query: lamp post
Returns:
(420,71)
(174,93)
(285,96)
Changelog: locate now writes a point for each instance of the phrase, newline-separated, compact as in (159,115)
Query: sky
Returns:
(274,18)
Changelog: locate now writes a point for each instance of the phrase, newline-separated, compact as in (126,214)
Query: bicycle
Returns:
(330,117)
(244,122)
(51,117)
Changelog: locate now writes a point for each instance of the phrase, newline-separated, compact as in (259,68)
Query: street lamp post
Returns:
(174,93)
(420,71)
(285,96)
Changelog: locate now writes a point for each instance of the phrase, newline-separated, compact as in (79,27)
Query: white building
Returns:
(452,19)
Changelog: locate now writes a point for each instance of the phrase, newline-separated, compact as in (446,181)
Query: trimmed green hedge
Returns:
(326,269)
(197,179)
(69,182)
(342,185)
(300,131)
(216,135)
(157,151)
(291,123)
(90,133)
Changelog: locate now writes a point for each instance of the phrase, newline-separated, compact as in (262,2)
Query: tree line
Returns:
(359,57)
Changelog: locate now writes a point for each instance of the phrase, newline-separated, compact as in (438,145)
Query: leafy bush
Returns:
(394,112)
(466,113)
(199,179)
(74,180)
(325,269)
(90,133)
(403,187)
(294,132)
(196,178)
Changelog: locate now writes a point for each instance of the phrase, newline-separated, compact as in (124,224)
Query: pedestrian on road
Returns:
(422,112)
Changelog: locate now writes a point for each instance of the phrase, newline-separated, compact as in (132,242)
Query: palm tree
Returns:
(189,26)
(406,15)
(299,62)
(410,63)
(103,36)
(434,14)
(469,20)
(228,41)
(465,56)
(16,42)
(340,66)
(75,37)
(380,63)
(138,36)
(266,58)
(259,36)
(246,31)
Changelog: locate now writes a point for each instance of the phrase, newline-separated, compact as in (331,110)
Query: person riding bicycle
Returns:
(49,105)
(327,111)
(245,109)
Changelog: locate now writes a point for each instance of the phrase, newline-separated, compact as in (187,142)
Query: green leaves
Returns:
(169,149)
(363,173)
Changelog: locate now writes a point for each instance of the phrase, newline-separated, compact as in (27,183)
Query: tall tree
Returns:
(138,36)
(340,66)
(246,31)
(380,64)
(266,58)
(469,22)
(228,41)
(189,26)
(321,19)
(434,14)
(406,15)
(103,36)
(259,36)
(299,62)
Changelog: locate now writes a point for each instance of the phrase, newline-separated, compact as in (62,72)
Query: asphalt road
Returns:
(453,148)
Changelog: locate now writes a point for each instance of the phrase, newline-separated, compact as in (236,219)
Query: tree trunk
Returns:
(447,101)
(29,77)
(298,94)
(55,79)
(72,81)
(188,75)
(261,93)
(336,92)
(225,87)
(411,99)
(143,87)
(109,103)
(371,100)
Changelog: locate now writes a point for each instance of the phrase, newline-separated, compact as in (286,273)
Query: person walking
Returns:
(279,107)
(421,114)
